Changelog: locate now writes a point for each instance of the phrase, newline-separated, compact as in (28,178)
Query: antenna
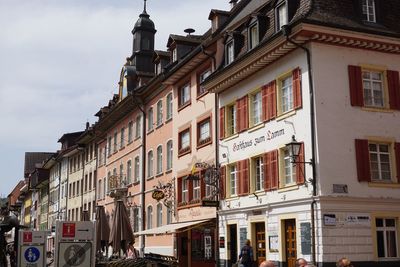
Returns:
(144,8)
(189,31)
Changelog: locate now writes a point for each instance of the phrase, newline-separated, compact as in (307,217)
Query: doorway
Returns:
(290,242)
(260,242)
(232,244)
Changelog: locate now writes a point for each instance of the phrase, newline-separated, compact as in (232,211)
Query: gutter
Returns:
(286,29)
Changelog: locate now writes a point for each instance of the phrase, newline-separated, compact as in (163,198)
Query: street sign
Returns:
(32,248)
(74,254)
(75,230)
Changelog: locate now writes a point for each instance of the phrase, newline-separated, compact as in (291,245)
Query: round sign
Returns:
(158,195)
(74,255)
(32,254)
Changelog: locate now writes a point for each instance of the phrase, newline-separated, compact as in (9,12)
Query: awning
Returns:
(169,228)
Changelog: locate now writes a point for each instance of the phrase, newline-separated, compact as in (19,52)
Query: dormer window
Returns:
(281,15)
(174,55)
(158,68)
(230,52)
(253,36)
(369,10)
(124,87)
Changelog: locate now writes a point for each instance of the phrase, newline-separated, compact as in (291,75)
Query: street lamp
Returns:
(294,149)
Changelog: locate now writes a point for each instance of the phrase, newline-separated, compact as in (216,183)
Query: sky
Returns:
(60,62)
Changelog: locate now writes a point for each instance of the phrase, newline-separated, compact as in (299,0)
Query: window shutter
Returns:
(264,94)
(222,123)
(397,155)
(180,190)
(356,87)
(267,172)
(300,167)
(362,157)
(238,115)
(222,182)
(297,99)
(244,177)
(394,89)
(245,113)
(274,169)
(271,105)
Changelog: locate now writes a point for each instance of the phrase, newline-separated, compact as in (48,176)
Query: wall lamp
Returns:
(294,149)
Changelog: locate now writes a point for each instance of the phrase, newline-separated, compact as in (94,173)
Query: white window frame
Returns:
(129,172)
(231,114)
(169,106)
(369,10)
(233,179)
(286,97)
(159,160)
(183,134)
(386,229)
(137,169)
(184,95)
(185,190)
(138,132)
(174,54)
(159,214)
(370,89)
(122,139)
(150,119)
(258,173)
(281,15)
(196,189)
(288,168)
(169,215)
(169,154)
(130,131)
(202,77)
(256,107)
(150,164)
(253,35)
(149,217)
(230,52)
(204,135)
(377,165)
(159,113)
(115,142)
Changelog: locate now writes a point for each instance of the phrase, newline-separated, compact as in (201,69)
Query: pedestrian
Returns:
(246,255)
(131,251)
(267,264)
(344,262)
(300,262)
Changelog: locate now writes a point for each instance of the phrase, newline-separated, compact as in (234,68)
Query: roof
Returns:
(70,136)
(193,39)
(33,158)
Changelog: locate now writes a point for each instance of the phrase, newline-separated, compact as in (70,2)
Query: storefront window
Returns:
(202,244)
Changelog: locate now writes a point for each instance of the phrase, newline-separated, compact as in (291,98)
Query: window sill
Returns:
(159,174)
(201,95)
(285,115)
(122,148)
(231,137)
(168,171)
(129,142)
(376,109)
(384,184)
(168,120)
(137,138)
(184,105)
(184,151)
(159,125)
(257,194)
(136,183)
(149,178)
(234,197)
(288,188)
(150,131)
(205,142)
(256,127)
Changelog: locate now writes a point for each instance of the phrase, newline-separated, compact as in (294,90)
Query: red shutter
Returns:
(244,177)
(300,166)
(362,157)
(180,190)
(238,115)
(264,94)
(394,89)
(274,169)
(356,87)
(267,172)
(397,155)
(297,99)
(245,113)
(271,106)
(222,123)
(222,182)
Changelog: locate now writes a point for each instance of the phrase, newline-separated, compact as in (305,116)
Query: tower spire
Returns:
(144,8)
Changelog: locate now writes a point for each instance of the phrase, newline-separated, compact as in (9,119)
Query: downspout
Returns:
(216,134)
(286,31)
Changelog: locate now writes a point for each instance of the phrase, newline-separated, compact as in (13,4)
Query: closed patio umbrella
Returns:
(102,229)
(121,230)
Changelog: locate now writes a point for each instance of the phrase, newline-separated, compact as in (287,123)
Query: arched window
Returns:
(129,172)
(169,106)
(159,215)
(159,160)
(169,155)
(150,119)
(169,215)
(159,113)
(149,217)
(150,164)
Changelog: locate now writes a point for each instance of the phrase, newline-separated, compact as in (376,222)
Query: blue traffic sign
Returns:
(32,254)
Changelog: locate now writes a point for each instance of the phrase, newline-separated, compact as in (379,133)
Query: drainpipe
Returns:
(286,31)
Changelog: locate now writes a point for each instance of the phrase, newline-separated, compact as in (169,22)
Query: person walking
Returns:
(267,264)
(246,255)
(344,262)
(300,262)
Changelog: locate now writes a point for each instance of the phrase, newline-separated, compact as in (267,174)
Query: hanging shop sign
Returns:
(158,195)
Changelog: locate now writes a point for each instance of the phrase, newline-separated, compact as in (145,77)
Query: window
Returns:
(368,10)
(159,113)
(135,219)
(386,237)
(185,191)
(150,120)
(202,77)
(286,99)
(231,119)
(253,36)
(129,172)
(130,131)
(138,132)
(159,215)
(115,142)
(169,154)
(230,53)
(169,215)
(159,160)
(121,174)
(289,169)
(256,108)
(233,179)
(184,141)
(196,189)
(379,155)
(184,95)
(99,190)
(174,55)
(281,16)
(373,88)
(122,143)
(149,217)
(169,106)
(150,164)
(203,132)
(258,172)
